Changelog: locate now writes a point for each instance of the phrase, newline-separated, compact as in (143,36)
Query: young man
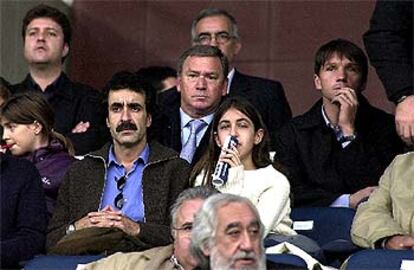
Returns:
(336,152)
(127,185)
(47,35)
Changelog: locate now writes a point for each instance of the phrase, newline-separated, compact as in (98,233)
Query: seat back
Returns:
(49,262)
(377,259)
(329,223)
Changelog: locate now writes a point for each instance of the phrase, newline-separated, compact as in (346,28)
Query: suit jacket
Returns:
(267,96)
(168,125)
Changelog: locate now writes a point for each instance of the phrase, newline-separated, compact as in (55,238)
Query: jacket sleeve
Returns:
(389,44)
(61,215)
(153,234)
(288,155)
(373,219)
(31,222)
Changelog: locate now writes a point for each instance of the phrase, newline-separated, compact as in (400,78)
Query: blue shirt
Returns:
(132,192)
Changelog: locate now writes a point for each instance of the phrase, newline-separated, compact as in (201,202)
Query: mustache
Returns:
(244,255)
(126,126)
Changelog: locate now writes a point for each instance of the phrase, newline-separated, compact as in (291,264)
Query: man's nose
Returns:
(246,242)
(126,115)
(213,41)
(341,74)
(201,83)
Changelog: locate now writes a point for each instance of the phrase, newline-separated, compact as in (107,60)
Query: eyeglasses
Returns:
(119,199)
(220,37)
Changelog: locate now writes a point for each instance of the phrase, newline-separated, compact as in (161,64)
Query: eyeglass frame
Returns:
(119,198)
(221,37)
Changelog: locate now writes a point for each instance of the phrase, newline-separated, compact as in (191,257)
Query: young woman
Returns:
(27,122)
(251,172)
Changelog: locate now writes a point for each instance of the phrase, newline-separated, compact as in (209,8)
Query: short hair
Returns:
(131,81)
(212,12)
(45,11)
(155,75)
(200,192)
(205,224)
(344,48)
(204,51)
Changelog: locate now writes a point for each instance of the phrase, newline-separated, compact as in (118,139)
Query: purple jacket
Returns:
(52,162)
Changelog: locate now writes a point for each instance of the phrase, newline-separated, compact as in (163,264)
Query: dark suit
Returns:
(267,97)
(167,127)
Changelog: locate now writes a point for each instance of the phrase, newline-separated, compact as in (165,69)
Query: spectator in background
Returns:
(175,256)
(336,152)
(251,172)
(161,78)
(46,36)
(228,234)
(28,121)
(23,212)
(125,189)
(386,219)
(389,43)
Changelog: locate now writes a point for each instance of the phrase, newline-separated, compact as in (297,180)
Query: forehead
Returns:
(188,210)
(234,114)
(214,24)
(206,64)
(235,212)
(44,22)
(337,57)
(125,96)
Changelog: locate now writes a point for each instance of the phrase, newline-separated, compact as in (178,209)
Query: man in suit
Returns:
(202,83)
(218,28)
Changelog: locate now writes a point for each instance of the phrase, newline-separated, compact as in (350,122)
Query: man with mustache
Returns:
(47,35)
(125,189)
(202,83)
(336,152)
(227,235)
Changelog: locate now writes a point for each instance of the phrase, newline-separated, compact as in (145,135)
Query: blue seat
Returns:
(294,261)
(379,259)
(331,230)
(46,262)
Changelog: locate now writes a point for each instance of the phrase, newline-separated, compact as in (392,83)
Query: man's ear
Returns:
(107,123)
(205,250)
(178,83)
(149,120)
(238,48)
(317,82)
(65,51)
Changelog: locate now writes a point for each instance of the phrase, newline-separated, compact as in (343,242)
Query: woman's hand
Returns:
(230,156)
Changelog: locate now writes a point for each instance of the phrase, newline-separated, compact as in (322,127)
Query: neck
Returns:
(40,143)
(331,111)
(44,76)
(248,163)
(194,114)
(126,155)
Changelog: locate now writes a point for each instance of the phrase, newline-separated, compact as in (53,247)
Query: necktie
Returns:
(189,148)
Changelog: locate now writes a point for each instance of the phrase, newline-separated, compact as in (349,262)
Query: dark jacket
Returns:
(52,162)
(23,211)
(389,43)
(73,102)
(320,170)
(168,125)
(267,96)
(164,177)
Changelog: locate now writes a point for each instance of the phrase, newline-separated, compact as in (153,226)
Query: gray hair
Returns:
(212,12)
(204,51)
(205,224)
(201,192)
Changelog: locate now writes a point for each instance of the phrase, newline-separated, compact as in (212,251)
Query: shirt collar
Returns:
(326,119)
(185,118)
(143,156)
(230,77)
